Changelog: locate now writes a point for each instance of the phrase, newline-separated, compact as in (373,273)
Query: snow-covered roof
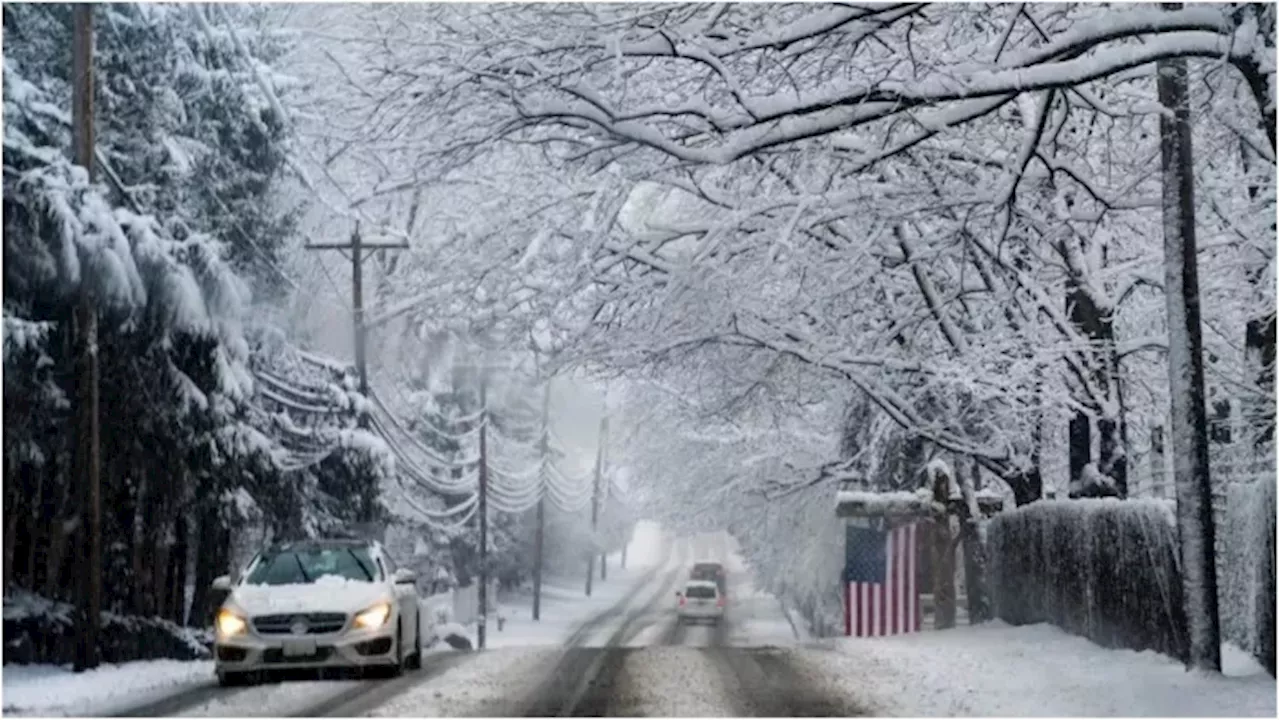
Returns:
(866,503)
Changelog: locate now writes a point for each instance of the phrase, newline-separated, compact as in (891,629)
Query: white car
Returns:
(318,604)
(701,600)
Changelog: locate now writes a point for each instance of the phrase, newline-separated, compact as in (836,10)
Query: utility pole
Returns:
(542,499)
(1189,421)
(357,247)
(85,329)
(483,593)
(604,500)
(604,484)
(595,500)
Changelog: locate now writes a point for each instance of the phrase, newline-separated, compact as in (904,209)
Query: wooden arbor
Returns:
(943,499)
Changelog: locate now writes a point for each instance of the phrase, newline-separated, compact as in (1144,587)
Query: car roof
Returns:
(320,544)
(707,563)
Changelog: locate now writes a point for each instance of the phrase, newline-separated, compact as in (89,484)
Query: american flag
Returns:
(881,597)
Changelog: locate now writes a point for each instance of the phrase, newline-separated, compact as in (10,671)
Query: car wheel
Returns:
(233,679)
(414,660)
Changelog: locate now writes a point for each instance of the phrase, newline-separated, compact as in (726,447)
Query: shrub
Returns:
(37,630)
(1105,569)
(1247,582)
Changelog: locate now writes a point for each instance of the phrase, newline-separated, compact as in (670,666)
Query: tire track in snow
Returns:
(362,700)
(764,682)
(582,683)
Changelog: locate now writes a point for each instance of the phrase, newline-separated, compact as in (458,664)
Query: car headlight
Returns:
(230,624)
(374,617)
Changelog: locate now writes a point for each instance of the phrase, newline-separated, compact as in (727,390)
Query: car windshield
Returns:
(701,592)
(302,567)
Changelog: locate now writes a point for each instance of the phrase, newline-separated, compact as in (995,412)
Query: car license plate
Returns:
(299,648)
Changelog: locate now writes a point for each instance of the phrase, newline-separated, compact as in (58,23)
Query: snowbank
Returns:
(48,690)
(1036,670)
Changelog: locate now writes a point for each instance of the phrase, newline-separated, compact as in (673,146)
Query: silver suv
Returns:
(318,604)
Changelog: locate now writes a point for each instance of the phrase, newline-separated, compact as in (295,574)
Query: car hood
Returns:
(327,594)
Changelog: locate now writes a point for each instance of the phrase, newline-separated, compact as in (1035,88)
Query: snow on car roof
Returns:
(322,543)
(701,583)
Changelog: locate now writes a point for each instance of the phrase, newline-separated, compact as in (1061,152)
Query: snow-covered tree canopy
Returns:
(901,195)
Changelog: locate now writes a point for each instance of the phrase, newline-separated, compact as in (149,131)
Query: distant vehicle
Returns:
(701,600)
(711,571)
(318,604)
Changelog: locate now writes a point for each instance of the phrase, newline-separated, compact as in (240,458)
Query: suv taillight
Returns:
(720,601)
(681,601)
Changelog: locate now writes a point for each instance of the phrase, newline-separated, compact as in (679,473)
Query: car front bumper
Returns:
(254,652)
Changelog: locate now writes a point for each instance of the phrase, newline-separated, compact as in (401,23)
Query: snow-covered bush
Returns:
(37,630)
(1105,569)
(1247,588)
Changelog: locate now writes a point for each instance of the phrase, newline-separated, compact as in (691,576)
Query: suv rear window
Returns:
(705,571)
(700,592)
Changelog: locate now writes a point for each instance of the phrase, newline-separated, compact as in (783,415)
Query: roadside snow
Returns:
(1039,670)
(756,617)
(49,690)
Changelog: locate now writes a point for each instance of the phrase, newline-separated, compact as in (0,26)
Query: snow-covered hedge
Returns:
(1247,586)
(1105,569)
(38,630)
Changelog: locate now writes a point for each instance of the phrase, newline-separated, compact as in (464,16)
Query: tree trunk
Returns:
(1158,465)
(211,559)
(975,554)
(1260,364)
(178,572)
(1027,485)
(944,562)
(1186,371)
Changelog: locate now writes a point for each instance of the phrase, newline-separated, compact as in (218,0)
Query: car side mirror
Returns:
(678,593)
(222,583)
(404,576)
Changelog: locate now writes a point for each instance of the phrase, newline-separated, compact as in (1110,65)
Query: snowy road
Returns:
(654,665)
(633,658)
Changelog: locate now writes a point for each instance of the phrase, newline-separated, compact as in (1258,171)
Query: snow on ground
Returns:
(669,682)
(488,684)
(48,690)
(1038,670)
(757,618)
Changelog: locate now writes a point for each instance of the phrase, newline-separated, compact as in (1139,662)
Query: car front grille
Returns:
(317,623)
(276,656)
